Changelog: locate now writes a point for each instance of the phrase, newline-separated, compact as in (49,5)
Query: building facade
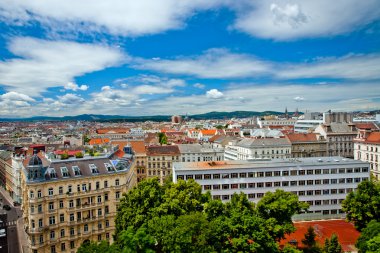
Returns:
(307,145)
(160,160)
(68,202)
(321,182)
(367,148)
(250,149)
(200,152)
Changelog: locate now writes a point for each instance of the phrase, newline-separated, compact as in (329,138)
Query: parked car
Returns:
(6,207)
(16,203)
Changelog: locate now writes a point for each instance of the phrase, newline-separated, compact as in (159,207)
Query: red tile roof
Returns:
(162,150)
(301,137)
(112,130)
(97,141)
(373,137)
(366,126)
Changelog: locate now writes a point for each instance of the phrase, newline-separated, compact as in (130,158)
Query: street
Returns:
(12,217)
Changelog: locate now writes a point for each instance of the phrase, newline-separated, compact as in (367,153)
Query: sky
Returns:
(164,57)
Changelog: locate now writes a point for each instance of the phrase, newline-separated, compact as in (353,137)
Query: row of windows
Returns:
(80,188)
(163,158)
(204,159)
(79,202)
(53,221)
(300,193)
(283,183)
(273,173)
(63,245)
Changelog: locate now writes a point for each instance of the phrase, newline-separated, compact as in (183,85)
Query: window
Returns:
(277,173)
(52,234)
(215,176)
(318,172)
(326,181)
(71,203)
(72,217)
(285,173)
(342,171)
(310,182)
(317,181)
(268,184)
(326,171)
(51,205)
(225,176)
(62,233)
(243,175)
(234,186)
(52,248)
(293,183)
(97,185)
(310,172)
(260,185)
(52,173)
(301,172)
(40,208)
(106,210)
(268,173)
(31,194)
(40,224)
(94,169)
(99,199)
(277,184)
(285,183)
(63,246)
(39,194)
(69,189)
(65,172)
(251,195)
(243,186)
(109,167)
(117,195)
(99,237)
(106,184)
(72,244)
(76,171)
(301,193)
(251,174)
(225,197)
(234,175)
(72,231)
(189,177)
(225,186)
(301,182)
(85,229)
(99,212)
(60,190)
(62,217)
(31,208)
(260,174)
(41,238)
(207,187)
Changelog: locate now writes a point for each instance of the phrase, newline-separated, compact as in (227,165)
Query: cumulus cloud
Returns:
(214,63)
(199,86)
(15,96)
(288,20)
(70,99)
(214,94)
(119,17)
(75,87)
(45,64)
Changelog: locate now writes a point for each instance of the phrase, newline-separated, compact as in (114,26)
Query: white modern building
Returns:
(322,182)
(250,149)
(200,152)
(275,122)
(306,125)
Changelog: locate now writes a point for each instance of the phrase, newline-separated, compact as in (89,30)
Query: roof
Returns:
(138,147)
(163,150)
(268,163)
(373,137)
(112,130)
(339,128)
(198,148)
(97,141)
(302,137)
(69,152)
(346,232)
(208,131)
(371,126)
(266,142)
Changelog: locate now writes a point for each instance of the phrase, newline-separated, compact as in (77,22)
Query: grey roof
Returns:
(293,163)
(267,133)
(35,160)
(197,148)
(341,128)
(267,142)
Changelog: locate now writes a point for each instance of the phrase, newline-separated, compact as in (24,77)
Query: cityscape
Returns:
(189,126)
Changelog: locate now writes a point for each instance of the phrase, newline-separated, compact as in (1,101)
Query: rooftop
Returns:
(267,163)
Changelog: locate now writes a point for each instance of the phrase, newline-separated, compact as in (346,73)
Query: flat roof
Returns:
(266,163)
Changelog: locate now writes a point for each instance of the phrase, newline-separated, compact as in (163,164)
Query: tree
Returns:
(373,245)
(310,242)
(290,249)
(363,205)
(64,156)
(332,245)
(78,154)
(94,247)
(162,138)
(277,208)
(372,230)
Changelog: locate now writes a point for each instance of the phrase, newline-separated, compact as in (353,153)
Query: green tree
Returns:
(310,242)
(363,205)
(162,138)
(277,208)
(290,249)
(372,230)
(332,245)
(79,154)
(95,247)
(136,241)
(373,245)
(64,156)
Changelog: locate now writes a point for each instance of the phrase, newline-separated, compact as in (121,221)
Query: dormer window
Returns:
(76,171)
(53,174)
(109,167)
(65,172)
(94,169)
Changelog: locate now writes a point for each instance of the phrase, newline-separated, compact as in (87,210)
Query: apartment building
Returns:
(200,152)
(68,202)
(160,160)
(250,149)
(307,145)
(367,148)
(323,182)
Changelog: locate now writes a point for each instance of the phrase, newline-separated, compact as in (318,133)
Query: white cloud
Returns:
(75,87)
(119,17)
(286,20)
(70,98)
(299,99)
(214,94)
(46,64)
(214,63)
(107,87)
(199,86)
(15,96)
(222,64)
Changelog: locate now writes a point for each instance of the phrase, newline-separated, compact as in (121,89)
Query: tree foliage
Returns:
(162,138)
(372,230)
(310,242)
(332,245)
(363,205)
(180,218)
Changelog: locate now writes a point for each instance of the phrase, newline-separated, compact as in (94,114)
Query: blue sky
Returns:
(191,56)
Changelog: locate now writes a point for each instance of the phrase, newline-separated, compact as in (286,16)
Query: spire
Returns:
(286,112)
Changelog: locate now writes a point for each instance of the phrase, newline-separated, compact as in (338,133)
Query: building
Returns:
(250,149)
(68,202)
(160,160)
(367,148)
(200,152)
(176,119)
(339,137)
(275,122)
(307,145)
(322,182)
(337,117)
(306,125)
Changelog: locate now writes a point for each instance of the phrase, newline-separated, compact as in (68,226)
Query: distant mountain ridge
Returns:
(99,117)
